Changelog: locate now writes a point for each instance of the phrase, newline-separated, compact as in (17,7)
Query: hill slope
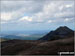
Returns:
(22,47)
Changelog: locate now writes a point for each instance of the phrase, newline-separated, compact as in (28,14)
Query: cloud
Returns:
(13,5)
(26,18)
(37,11)
(20,9)
(69,5)
(50,21)
(6,16)
(61,7)
(64,14)
(68,19)
(27,6)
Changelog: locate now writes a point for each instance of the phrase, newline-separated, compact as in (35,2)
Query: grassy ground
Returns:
(26,47)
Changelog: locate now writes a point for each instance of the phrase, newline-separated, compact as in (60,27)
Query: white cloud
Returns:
(65,6)
(6,16)
(68,19)
(50,21)
(69,5)
(26,18)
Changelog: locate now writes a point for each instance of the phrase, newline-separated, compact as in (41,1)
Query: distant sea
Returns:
(23,35)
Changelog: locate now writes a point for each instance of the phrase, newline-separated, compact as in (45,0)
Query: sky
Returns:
(36,14)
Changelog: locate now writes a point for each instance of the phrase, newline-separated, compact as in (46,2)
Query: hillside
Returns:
(60,40)
(22,47)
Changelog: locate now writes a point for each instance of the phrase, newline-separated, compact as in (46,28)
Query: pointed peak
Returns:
(63,28)
(62,31)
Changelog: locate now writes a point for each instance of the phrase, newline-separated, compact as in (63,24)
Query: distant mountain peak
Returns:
(63,29)
(61,32)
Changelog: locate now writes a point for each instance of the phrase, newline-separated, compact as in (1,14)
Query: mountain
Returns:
(12,37)
(41,46)
(22,36)
(59,33)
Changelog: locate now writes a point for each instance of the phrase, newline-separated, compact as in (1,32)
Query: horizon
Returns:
(24,31)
